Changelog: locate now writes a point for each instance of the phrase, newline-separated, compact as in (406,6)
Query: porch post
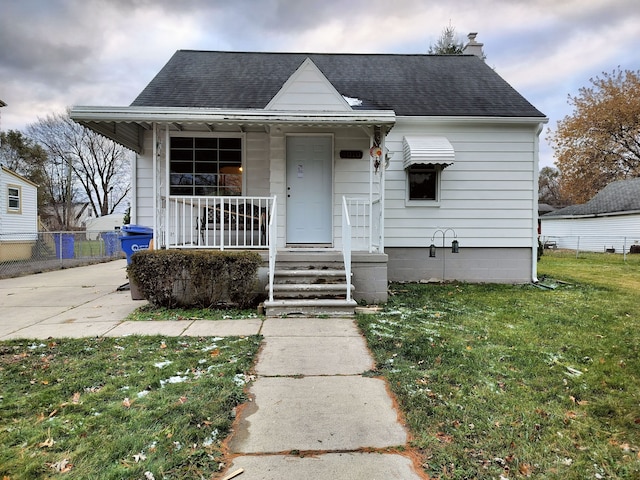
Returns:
(155,184)
(383,164)
(167,189)
(371,161)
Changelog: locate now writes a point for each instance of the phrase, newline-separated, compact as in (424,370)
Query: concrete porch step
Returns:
(311,290)
(310,307)
(285,275)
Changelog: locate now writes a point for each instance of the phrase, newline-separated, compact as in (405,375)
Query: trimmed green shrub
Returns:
(196,278)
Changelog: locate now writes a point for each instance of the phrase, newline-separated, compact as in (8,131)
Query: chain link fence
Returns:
(593,243)
(25,253)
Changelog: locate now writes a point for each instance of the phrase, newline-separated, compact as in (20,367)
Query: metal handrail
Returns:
(346,244)
(273,236)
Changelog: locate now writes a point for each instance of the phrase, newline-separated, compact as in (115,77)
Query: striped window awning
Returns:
(427,150)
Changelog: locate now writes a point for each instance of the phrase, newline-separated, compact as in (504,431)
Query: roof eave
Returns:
(590,215)
(125,125)
(465,119)
(201,115)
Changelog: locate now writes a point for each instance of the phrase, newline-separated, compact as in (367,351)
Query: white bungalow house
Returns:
(18,216)
(609,222)
(364,160)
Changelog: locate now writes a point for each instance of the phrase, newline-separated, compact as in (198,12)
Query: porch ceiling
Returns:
(126,125)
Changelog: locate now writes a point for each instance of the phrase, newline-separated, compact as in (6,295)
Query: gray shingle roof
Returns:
(429,85)
(620,196)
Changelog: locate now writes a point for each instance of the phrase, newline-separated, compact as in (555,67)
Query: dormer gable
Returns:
(308,89)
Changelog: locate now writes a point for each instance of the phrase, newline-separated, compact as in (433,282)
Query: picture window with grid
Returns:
(205,166)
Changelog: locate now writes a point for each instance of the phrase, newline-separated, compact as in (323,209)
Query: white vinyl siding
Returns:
(487,196)
(308,89)
(594,234)
(23,220)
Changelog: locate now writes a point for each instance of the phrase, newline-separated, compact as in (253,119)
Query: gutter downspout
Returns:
(536,166)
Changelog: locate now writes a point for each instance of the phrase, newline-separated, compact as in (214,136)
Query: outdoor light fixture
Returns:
(455,246)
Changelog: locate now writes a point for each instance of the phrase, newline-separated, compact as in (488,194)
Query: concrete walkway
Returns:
(312,412)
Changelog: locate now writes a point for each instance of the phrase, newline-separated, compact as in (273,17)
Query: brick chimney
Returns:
(473,47)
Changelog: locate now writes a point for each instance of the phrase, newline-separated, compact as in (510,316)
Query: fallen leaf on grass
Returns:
(126,403)
(525,469)
(76,398)
(63,466)
(49,442)
(444,438)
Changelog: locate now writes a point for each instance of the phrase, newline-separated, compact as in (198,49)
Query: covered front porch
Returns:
(298,187)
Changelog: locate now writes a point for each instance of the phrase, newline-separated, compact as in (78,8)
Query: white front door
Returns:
(309,189)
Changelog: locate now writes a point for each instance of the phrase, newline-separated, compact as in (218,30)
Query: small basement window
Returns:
(14,200)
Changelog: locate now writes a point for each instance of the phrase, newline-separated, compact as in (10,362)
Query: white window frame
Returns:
(15,197)
(423,202)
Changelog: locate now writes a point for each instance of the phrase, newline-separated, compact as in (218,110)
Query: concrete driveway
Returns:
(85,302)
(75,302)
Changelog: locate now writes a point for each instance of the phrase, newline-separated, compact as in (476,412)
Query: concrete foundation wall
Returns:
(486,265)
(370,277)
(10,251)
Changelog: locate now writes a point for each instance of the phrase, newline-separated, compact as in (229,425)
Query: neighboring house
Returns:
(106,223)
(609,221)
(292,151)
(81,213)
(18,216)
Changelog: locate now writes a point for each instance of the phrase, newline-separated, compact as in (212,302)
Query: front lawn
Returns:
(502,381)
(134,407)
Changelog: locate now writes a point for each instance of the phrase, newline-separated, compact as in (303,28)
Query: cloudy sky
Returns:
(59,53)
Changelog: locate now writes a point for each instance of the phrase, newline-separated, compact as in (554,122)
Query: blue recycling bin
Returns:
(110,243)
(134,239)
(65,245)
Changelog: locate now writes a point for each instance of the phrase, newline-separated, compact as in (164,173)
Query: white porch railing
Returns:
(219,222)
(365,223)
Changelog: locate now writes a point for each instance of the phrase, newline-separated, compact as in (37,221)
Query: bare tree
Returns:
(83,165)
(549,190)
